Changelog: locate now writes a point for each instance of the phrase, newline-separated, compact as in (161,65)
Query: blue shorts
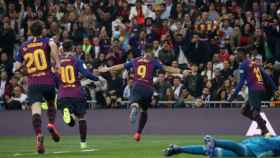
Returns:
(40,93)
(77,106)
(141,95)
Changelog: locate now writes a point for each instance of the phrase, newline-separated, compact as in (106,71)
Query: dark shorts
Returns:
(255,99)
(77,106)
(141,95)
(40,93)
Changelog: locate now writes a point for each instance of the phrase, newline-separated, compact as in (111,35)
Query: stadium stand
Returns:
(198,36)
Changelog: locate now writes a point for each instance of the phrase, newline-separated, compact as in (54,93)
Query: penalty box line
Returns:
(55,152)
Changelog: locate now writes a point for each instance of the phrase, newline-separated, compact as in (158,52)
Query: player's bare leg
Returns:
(51,124)
(133,116)
(37,125)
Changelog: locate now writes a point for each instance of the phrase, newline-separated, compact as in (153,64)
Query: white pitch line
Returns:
(88,150)
(61,152)
(24,154)
(17,154)
(55,152)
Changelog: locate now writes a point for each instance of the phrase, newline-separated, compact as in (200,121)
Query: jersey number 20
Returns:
(36,61)
(67,74)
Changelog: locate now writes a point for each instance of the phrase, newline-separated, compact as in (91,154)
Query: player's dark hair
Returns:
(36,28)
(67,45)
(148,48)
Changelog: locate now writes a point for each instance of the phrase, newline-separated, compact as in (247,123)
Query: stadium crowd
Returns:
(198,36)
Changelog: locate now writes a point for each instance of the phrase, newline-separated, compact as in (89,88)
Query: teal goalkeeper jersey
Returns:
(261,145)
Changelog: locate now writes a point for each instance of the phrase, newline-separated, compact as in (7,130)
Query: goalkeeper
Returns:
(252,147)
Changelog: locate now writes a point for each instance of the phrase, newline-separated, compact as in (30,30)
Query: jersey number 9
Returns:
(36,61)
(258,74)
(141,71)
(68,74)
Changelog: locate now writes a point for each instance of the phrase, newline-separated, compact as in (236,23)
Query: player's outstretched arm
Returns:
(84,71)
(18,66)
(240,84)
(113,68)
(19,62)
(269,79)
(54,53)
(172,70)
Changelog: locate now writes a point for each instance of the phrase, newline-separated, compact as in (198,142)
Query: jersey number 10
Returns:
(67,74)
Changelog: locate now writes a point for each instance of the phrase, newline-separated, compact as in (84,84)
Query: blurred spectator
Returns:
(208,71)
(156,48)
(206,96)
(115,53)
(227,71)
(6,64)
(161,85)
(223,54)
(106,13)
(9,89)
(127,90)
(183,33)
(213,14)
(177,87)
(7,37)
(4,80)
(97,89)
(17,101)
(180,50)
(99,61)
(166,54)
(198,50)
(115,89)
(193,81)
(169,96)
(184,97)
(87,49)
(140,12)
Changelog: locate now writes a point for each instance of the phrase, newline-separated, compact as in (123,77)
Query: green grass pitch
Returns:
(99,146)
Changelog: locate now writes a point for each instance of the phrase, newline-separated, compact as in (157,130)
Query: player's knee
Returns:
(36,108)
(136,105)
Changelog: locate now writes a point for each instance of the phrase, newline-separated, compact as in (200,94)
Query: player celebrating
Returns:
(251,147)
(70,95)
(142,91)
(255,76)
(35,56)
